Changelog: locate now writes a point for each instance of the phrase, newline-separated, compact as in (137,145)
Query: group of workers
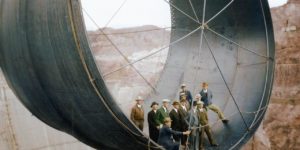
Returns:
(184,125)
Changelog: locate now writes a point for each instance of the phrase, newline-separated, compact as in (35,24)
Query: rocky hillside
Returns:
(132,43)
(281,127)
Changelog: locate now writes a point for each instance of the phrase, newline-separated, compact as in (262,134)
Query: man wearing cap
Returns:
(206,98)
(204,126)
(184,123)
(137,113)
(176,117)
(197,97)
(187,93)
(162,113)
(165,135)
(153,131)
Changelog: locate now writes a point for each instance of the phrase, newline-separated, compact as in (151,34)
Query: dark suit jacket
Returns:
(153,131)
(165,138)
(206,98)
(185,116)
(176,118)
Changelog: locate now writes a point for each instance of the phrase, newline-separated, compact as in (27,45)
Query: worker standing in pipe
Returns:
(204,126)
(137,113)
(165,135)
(176,118)
(184,92)
(194,126)
(162,113)
(206,98)
(153,131)
(197,97)
(184,123)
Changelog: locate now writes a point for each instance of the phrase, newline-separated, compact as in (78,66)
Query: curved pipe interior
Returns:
(47,61)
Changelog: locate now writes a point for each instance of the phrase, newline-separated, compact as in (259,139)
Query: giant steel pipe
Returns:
(47,61)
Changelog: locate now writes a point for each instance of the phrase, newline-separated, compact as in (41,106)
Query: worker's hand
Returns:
(186,132)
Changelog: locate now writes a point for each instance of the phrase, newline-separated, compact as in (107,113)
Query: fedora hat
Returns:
(139,98)
(175,103)
(153,103)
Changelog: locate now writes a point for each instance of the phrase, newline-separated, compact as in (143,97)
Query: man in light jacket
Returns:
(194,126)
(137,113)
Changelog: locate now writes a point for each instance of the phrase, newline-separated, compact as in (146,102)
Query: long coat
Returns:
(177,122)
(193,118)
(153,131)
(165,138)
(194,122)
(184,118)
(160,115)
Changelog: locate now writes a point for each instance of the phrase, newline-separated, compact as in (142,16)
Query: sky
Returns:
(154,12)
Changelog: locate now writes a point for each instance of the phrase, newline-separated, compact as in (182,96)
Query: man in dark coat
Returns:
(186,93)
(153,130)
(176,117)
(165,135)
(184,119)
(162,113)
(206,98)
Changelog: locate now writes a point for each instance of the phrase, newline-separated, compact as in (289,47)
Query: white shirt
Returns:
(165,109)
(195,110)
(139,106)
(154,111)
(205,90)
(184,108)
(176,110)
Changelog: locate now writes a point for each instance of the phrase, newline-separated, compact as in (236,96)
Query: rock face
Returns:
(281,126)
(133,43)
(280,129)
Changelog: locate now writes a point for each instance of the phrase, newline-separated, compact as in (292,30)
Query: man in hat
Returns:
(153,131)
(165,135)
(187,93)
(176,117)
(162,113)
(194,126)
(137,113)
(206,98)
(184,123)
(204,126)
(197,97)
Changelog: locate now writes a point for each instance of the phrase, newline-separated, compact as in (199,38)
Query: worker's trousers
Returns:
(217,110)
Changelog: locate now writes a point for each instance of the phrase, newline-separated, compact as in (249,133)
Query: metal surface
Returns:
(45,56)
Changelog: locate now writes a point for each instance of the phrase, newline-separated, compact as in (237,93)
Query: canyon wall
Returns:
(281,126)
